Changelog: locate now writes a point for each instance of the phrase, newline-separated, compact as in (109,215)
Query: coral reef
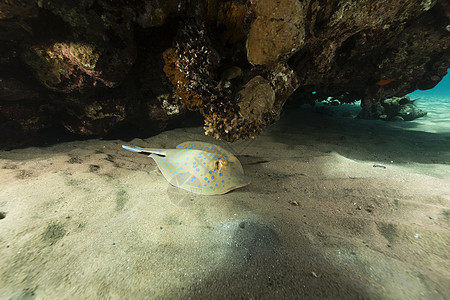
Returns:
(235,103)
(393,109)
(94,66)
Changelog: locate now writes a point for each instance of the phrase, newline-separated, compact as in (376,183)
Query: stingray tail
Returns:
(145,150)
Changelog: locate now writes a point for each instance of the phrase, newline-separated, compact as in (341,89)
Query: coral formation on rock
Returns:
(93,66)
(235,103)
(393,109)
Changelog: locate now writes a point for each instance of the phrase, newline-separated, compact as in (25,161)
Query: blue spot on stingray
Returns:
(220,174)
(177,163)
(210,187)
(204,163)
(206,178)
(216,184)
(197,169)
(212,177)
(204,185)
(223,181)
(231,174)
(180,169)
(195,162)
(185,164)
(210,172)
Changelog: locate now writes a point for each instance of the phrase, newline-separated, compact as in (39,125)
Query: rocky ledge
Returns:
(95,66)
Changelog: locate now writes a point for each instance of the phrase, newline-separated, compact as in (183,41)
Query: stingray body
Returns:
(198,167)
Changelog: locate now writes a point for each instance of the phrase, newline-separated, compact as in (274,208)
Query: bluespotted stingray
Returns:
(198,167)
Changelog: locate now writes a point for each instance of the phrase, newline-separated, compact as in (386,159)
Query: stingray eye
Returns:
(223,162)
(220,163)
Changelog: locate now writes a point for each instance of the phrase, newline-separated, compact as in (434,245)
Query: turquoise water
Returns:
(436,102)
(441,90)
(437,119)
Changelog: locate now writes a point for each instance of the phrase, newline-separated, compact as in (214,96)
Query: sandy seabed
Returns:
(89,220)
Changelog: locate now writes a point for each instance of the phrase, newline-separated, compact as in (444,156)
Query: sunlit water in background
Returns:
(436,102)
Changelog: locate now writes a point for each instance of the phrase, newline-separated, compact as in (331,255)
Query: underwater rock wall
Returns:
(93,66)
